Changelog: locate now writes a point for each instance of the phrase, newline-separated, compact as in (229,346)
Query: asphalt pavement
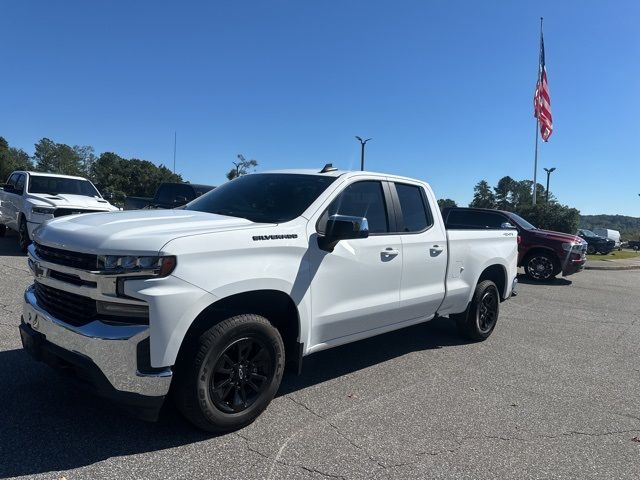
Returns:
(553,393)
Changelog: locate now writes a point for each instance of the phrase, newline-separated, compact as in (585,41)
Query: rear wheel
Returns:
(541,267)
(481,316)
(232,375)
(23,236)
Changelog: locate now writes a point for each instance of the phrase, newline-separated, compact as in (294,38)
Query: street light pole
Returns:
(362,144)
(549,171)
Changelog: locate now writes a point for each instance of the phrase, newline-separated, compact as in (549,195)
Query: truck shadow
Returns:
(49,425)
(561,282)
(9,245)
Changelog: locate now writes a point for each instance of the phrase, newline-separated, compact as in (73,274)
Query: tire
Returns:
(635,248)
(244,355)
(541,267)
(591,250)
(3,230)
(23,235)
(480,318)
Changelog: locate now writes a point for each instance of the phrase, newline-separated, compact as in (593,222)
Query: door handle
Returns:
(390,252)
(437,249)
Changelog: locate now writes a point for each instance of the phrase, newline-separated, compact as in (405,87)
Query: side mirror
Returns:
(343,227)
(180,199)
(507,226)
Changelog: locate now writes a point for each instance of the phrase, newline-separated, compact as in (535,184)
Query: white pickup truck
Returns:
(213,299)
(30,198)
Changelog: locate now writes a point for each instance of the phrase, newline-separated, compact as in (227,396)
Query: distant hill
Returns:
(629,227)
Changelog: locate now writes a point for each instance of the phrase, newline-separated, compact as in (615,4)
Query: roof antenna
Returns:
(328,168)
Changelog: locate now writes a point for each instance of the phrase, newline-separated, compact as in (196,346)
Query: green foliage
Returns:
(446,202)
(121,177)
(551,216)
(629,227)
(483,197)
(241,167)
(54,157)
(516,196)
(12,159)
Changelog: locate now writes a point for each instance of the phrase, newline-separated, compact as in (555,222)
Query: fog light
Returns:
(122,309)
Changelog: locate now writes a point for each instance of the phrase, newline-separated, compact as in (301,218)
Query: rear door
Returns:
(424,252)
(355,288)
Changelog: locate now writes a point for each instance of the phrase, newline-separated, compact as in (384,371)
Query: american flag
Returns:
(541,99)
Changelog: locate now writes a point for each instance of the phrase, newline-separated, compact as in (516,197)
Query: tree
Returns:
(12,159)
(446,203)
(241,167)
(551,216)
(54,157)
(483,197)
(122,177)
(503,193)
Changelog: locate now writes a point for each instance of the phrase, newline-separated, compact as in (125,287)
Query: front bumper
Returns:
(113,358)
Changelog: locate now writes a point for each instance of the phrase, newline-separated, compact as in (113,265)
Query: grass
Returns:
(615,255)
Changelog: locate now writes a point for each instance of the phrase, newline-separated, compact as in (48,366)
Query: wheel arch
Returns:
(497,273)
(275,305)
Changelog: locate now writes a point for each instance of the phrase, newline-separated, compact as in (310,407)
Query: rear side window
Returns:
(474,220)
(416,216)
(360,199)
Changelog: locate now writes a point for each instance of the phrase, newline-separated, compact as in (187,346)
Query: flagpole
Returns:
(535,161)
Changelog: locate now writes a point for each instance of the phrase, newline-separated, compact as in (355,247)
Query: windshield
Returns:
(588,233)
(263,197)
(522,222)
(56,185)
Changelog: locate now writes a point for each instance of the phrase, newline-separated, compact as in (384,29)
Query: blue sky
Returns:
(443,88)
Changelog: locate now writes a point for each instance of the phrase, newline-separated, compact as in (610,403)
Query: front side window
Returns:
(360,199)
(61,185)
(264,197)
(20,183)
(415,216)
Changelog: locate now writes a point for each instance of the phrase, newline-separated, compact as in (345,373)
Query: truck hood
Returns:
(69,200)
(143,232)
(559,236)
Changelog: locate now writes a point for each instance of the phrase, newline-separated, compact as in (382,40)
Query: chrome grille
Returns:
(84,261)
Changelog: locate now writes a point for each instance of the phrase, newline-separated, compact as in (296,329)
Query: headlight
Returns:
(575,247)
(154,266)
(43,210)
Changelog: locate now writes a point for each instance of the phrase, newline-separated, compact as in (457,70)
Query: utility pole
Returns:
(362,144)
(549,172)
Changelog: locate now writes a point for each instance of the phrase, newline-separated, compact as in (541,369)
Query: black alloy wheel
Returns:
(591,250)
(228,375)
(23,236)
(540,267)
(240,375)
(487,311)
(478,321)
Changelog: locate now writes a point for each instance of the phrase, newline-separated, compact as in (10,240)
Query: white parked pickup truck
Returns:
(30,198)
(214,298)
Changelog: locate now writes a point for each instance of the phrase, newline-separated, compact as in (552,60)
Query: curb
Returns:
(612,267)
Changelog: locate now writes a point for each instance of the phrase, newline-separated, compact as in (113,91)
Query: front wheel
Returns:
(231,375)
(481,316)
(540,267)
(23,236)
(591,250)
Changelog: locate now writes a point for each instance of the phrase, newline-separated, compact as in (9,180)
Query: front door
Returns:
(355,288)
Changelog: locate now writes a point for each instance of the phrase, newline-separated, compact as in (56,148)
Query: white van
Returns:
(610,234)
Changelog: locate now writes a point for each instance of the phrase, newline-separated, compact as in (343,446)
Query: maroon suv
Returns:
(542,253)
